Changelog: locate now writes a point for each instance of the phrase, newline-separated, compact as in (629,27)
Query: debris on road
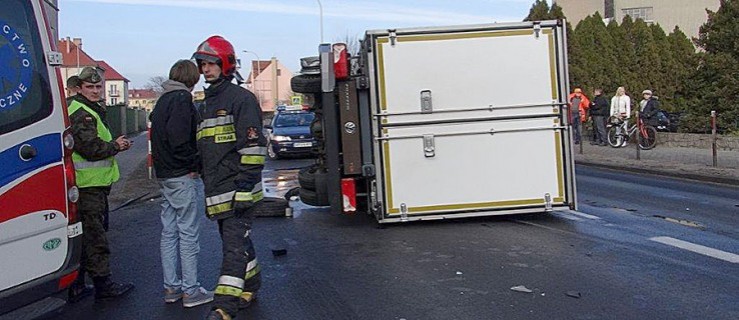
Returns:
(573,294)
(459,272)
(278,249)
(521,289)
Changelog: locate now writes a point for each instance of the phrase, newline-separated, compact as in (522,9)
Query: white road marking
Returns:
(584,215)
(566,216)
(711,252)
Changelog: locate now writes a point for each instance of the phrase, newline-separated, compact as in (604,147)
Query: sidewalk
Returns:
(687,163)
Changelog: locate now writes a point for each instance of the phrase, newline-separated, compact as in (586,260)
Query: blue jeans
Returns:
(182,208)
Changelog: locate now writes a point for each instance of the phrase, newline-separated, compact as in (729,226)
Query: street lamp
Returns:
(253,77)
(320,8)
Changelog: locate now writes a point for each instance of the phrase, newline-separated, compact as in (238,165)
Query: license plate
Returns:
(302,144)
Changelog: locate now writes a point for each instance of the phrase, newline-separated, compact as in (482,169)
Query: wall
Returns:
(121,90)
(688,14)
(576,10)
(700,141)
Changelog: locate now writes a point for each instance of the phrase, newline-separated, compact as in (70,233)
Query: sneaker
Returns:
(201,296)
(217,314)
(246,299)
(110,290)
(171,296)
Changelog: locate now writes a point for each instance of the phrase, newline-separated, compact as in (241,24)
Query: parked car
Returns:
(40,242)
(667,122)
(290,132)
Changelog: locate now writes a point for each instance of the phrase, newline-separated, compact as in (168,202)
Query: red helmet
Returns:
(217,50)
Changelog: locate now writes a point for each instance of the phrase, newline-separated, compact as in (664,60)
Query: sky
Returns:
(143,38)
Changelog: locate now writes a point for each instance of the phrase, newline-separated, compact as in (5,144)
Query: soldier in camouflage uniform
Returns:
(96,170)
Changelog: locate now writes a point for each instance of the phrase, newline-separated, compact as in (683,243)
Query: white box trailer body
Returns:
(469,121)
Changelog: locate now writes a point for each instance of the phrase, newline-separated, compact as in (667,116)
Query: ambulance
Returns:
(40,242)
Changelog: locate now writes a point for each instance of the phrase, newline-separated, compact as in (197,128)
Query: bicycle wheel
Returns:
(614,138)
(649,138)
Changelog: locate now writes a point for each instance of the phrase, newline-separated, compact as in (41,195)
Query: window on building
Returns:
(113,101)
(279,72)
(644,13)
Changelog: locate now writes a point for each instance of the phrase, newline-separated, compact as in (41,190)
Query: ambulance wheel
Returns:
(312,198)
(270,207)
(306,83)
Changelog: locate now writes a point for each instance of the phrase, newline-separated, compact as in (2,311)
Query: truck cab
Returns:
(40,241)
(445,122)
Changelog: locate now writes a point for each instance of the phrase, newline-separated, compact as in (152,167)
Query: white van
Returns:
(40,241)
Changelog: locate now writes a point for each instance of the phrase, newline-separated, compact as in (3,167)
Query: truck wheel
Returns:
(270,207)
(306,83)
(307,177)
(312,198)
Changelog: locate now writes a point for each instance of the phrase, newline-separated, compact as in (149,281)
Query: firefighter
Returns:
(233,151)
(96,170)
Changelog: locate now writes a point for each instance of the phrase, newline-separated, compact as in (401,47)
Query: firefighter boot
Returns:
(107,289)
(218,314)
(246,299)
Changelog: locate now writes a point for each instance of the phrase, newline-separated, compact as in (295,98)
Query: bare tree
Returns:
(155,83)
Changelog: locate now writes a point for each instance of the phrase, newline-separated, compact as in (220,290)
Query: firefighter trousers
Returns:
(239,269)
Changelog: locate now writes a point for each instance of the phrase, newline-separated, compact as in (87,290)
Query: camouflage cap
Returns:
(89,74)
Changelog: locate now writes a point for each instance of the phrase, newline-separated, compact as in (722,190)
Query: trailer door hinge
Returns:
(537,29)
(403,212)
(547,202)
(429,150)
(427,104)
(393,36)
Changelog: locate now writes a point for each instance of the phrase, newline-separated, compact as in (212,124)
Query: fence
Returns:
(126,121)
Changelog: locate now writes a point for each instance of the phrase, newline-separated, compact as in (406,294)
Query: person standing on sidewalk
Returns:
(233,150)
(578,107)
(599,114)
(96,170)
(649,108)
(177,166)
(621,108)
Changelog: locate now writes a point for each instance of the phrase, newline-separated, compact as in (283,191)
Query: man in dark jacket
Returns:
(233,149)
(599,110)
(177,165)
(649,108)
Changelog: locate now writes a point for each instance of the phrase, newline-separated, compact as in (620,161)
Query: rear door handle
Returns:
(27,152)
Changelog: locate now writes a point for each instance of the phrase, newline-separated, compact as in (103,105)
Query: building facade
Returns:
(270,82)
(142,98)
(116,85)
(74,59)
(689,15)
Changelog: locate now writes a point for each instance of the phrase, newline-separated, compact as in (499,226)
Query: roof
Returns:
(257,67)
(110,72)
(70,55)
(142,94)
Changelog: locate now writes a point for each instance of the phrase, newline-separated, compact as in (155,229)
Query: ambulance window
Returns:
(25,94)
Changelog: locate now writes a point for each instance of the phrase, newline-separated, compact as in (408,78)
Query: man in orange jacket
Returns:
(578,107)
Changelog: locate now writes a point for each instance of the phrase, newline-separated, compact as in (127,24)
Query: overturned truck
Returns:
(443,122)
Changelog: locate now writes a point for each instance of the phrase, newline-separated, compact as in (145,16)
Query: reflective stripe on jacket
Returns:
(101,173)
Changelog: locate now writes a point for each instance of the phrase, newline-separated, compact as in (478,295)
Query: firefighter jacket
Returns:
(232,148)
(94,148)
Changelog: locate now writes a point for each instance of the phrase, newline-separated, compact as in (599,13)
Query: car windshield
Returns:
(25,95)
(294,120)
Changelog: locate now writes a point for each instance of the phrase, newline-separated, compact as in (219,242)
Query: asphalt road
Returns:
(619,258)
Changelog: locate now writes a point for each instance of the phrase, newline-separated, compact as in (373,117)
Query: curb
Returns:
(667,173)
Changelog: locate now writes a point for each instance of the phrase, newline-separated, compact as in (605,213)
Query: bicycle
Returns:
(618,135)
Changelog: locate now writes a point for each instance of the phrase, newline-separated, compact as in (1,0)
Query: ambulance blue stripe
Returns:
(49,149)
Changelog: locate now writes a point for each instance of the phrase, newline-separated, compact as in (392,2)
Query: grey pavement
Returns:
(688,163)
